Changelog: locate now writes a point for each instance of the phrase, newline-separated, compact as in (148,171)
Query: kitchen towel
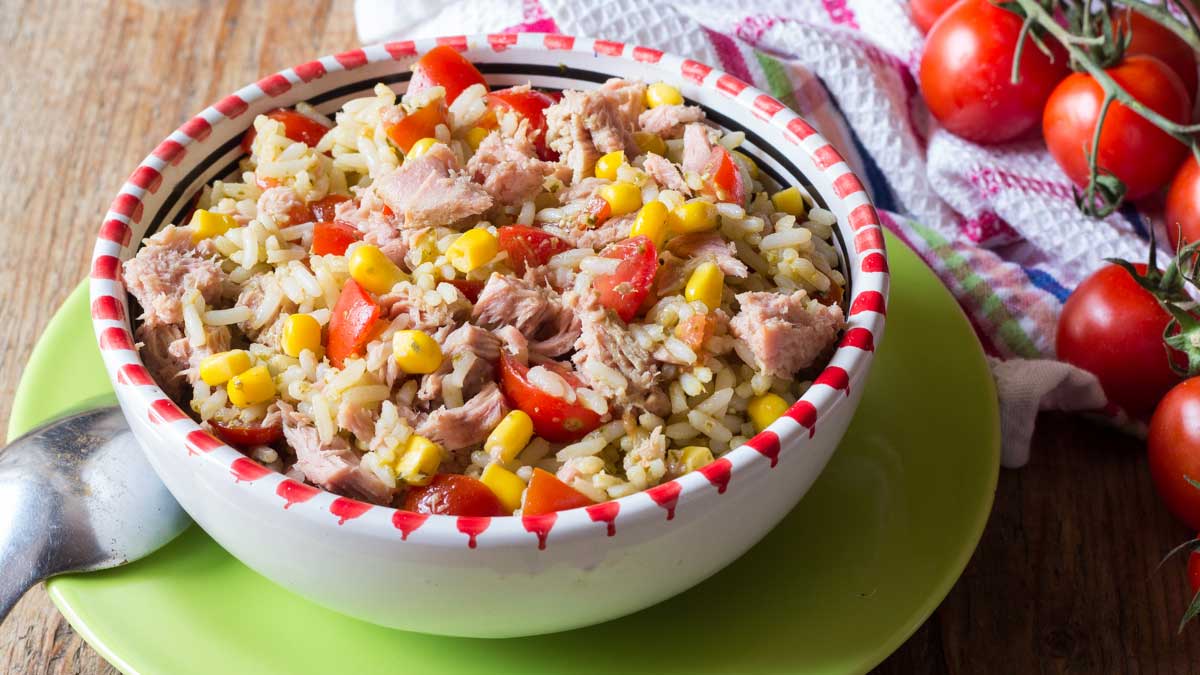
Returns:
(998,225)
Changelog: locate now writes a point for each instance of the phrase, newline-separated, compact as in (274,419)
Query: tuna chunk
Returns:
(509,301)
(513,343)
(562,334)
(388,232)
(266,302)
(333,466)
(608,357)
(666,174)
(579,235)
(166,268)
(457,428)
(668,120)
(466,341)
(508,167)
(283,206)
(697,146)
(431,190)
(586,124)
(781,334)
(407,307)
(582,190)
(167,367)
(701,247)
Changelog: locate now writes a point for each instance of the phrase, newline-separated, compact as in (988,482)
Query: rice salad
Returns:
(486,303)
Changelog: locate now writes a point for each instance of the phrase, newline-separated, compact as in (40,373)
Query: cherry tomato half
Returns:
(553,418)
(528,246)
(966,74)
(421,123)
(296,126)
(1173,451)
(247,437)
(443,66)
(547,494)
(624,290)
(723,179)
(451,494)
(470,288)
(530,104)
(352,323)
(333,238)
(325,208)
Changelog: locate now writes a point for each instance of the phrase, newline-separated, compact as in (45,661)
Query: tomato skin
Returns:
(451,494)
(352,323)
(724,180)
(624,290)
(553,418)
(1182,212)
(1138,153)
(528,246)
(1174,451)
(247,437)
(695,330)
(966,73)
(547,494)
(926,12)
(296,126)
(530,104)
(325,208)
(1150,38)
(470,288)
(333,238)
(421,123)
(1112,327)
(443,66)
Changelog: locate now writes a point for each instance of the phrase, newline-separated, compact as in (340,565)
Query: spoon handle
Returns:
(25,535)
(20,574)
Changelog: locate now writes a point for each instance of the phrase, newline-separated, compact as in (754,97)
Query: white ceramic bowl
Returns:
(506,576)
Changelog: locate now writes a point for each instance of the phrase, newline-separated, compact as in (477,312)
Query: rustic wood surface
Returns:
(1063,581)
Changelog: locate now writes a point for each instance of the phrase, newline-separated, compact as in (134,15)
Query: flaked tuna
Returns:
(431,190)
(784,333)
(466,341)
(587,124)
(457,428)
(509,169)
(665,173)
(668,121)
(169,265)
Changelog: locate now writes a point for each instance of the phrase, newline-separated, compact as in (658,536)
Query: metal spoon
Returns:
(77,495)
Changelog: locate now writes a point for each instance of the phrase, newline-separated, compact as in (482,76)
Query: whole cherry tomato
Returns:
(1174,451)
(966,74)
(1150,38)
(926,12)
(451,494)
(1112,327)
(1135,151)
(443,66)
(1182,211)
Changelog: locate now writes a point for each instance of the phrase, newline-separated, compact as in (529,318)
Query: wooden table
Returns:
(1063,581)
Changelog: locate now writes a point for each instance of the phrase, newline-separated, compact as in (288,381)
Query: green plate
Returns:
(862,561)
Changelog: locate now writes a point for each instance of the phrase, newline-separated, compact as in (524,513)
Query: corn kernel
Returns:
(251,387)
(661,93)
(420,147)
(506,485)
(696,215)
(622,197)
(209,224)
(606,166)
(472,250)
(651,222)
(510,436)
(300,332)
(218,369)
(705,285)
(694,457)
(750,163)
(648,142)
(766,409)
(419,462)
(373,270)
(416,352)
(790,201)
(475,136)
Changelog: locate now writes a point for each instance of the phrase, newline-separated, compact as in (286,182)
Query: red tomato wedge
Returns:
(553,418)
(443,66)
(421,123)
(600,210)
(296,126)
(470,288)
(528,246)
(624,290)
(352,323)
(247,437)
(325,208)
(451,494)
(333,238)
(723,179)
(530,104)
(547,494)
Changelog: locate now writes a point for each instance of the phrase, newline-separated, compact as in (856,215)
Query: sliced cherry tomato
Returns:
(528,246)
(443,66)
(296,126)
(624,290)
(470,288)
(722,178)
(599,211)
(333,238)
(247,437)
(1173,451)
(452,494)
(352,323)
(421,123)
(530,104)
(325,208)
(553,418)
(696,329)
(1138,153)
(547,494)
